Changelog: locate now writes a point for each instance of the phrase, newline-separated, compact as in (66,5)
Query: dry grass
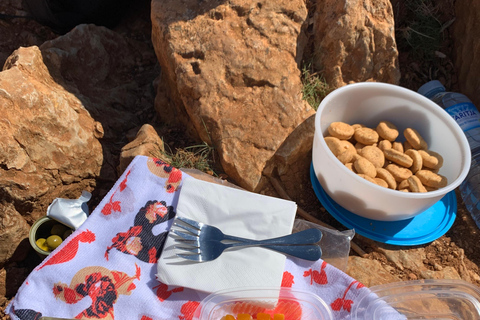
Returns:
(315,88)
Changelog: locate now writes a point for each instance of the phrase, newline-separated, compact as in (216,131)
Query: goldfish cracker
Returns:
(387,130)
(341,130)
(397,146)
(364,176)
(417,159)
(381,182)
(373,154)
(366,136)
(335,145)
(349,166)
(431,179)
(384,145)
(415,184)
(355,126)
(387,176)
(403,185)
(349,152)
(415,139)
(398,172)
(365,167)
(431,159)
(398,157)
(359,146)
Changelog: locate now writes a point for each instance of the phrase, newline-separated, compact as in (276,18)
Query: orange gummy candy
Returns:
(244,316)
(278,316)
(263,316)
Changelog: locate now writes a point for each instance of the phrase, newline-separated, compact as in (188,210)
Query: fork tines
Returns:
(187,224)
(184,235)
(185,232)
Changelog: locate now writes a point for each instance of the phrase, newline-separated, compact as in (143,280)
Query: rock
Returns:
(48,146)
(3,286)
(14,234)
(96,64)
(101,68)
(232,73)
(355,41)
(146,143)
(467,44)
(292,160)
(442,273)
(411,259)
(369,272)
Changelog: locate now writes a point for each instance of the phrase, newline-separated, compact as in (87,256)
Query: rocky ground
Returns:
(458,249)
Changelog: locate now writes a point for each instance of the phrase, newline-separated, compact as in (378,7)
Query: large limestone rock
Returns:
(65,108)
(291,163)
(48,145)
(355,41)
(100,67)
(467,48)
(232,73)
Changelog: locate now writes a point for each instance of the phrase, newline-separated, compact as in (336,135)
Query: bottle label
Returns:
(466,115)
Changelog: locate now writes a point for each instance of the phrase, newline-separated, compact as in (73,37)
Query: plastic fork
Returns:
(210,250)
(201,232)
(204,242)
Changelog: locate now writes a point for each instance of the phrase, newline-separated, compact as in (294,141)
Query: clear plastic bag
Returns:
(335,244)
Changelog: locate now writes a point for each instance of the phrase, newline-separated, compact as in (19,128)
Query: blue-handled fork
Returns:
(204,242)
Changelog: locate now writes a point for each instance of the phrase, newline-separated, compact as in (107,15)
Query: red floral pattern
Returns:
(317,277)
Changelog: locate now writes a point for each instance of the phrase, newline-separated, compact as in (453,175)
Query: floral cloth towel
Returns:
(106,268)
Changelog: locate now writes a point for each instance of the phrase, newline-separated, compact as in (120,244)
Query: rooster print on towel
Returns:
(121,201)
(164,170)
(69,250)
(101,285)
(140,240)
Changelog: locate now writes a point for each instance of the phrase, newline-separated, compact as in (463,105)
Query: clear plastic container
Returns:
(420,299)
(294,304)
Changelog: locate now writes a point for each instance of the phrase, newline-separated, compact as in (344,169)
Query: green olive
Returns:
(54,241)
(58,229)
(67,233)
(42,244)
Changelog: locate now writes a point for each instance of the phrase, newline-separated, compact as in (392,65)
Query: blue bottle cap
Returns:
(431,88)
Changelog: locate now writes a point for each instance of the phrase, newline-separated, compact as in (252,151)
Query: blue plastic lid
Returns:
(431,88)
(423,228)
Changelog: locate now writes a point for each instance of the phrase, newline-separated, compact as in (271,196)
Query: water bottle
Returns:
(468,118)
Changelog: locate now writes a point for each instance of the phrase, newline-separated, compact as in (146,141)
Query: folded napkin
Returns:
(106,268)
(236,212)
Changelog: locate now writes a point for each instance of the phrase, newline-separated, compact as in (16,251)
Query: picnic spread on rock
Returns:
(106,221)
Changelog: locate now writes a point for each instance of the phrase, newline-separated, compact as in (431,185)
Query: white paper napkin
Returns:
(236,212)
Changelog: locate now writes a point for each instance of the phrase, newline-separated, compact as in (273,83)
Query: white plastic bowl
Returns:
(368,104)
